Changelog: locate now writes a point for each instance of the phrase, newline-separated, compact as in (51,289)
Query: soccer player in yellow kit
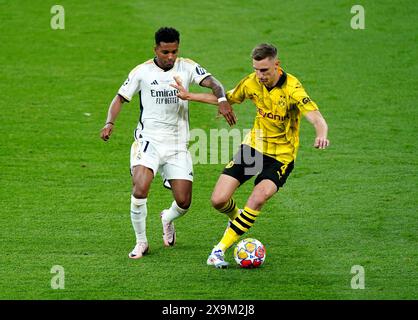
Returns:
(269,150)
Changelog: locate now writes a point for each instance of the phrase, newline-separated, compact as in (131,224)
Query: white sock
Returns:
(173,213)
(138,218)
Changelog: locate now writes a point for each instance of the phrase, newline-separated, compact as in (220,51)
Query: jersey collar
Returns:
(282,79)
(165,70)
(280,82)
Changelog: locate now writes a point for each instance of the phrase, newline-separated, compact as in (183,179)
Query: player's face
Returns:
(166,53)
(266,71)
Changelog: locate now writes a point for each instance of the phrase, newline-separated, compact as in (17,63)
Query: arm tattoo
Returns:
(215,85)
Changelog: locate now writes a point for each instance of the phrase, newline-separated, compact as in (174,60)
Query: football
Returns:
(249,253)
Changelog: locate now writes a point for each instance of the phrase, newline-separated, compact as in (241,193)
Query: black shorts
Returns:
(248,162)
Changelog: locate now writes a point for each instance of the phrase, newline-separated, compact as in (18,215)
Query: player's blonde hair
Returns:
(264,50)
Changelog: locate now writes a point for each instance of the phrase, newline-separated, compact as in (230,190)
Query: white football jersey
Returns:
(163,116)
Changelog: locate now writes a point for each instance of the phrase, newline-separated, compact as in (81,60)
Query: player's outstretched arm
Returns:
(224,107)
(112,114)
(321,128)
(192,96)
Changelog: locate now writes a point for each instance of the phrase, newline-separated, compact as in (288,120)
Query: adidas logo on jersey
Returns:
(154,82)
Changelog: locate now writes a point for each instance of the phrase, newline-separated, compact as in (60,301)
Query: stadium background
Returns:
(64,193)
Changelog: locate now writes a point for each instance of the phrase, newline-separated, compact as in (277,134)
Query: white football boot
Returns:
(216,259)
(169,232)
(141,249)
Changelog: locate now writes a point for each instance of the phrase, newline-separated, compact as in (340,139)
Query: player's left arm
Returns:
(317,120)
(310,110)
(224,107)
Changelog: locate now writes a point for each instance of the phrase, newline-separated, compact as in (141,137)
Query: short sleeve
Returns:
(237,95)
(131,86)
(195,72)
(302,99)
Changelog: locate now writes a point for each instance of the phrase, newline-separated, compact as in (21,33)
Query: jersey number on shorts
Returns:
(146,146)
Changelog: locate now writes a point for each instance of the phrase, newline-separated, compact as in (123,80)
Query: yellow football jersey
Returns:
(276,127)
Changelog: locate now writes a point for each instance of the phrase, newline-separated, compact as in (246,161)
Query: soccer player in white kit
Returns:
(162,134)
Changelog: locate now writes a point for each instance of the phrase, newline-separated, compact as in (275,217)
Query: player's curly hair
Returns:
(264,50)
(167,34)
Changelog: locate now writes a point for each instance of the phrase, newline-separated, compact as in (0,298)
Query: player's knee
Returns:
(218,200)
(184,201)
(139,192)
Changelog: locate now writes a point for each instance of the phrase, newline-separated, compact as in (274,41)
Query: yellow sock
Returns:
(229,238)
(241,224)
(230,209)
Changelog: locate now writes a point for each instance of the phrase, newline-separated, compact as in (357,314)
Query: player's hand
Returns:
(106,131)
(183,94)
(321,143)
(225,109)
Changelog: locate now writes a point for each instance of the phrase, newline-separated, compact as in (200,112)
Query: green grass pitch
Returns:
(64,193)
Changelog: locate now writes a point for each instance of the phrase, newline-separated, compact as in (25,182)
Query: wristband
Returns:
(110,123)
(221,99)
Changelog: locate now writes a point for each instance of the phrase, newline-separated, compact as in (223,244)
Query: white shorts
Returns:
(170,161)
